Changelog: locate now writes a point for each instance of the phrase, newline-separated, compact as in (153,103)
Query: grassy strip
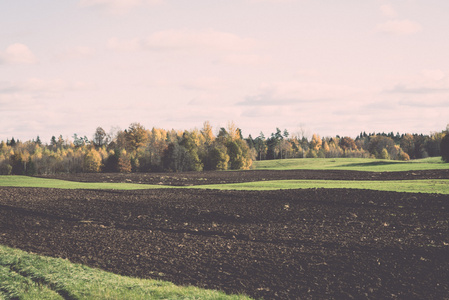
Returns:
(29,276)
(26,181)
(439,186)
(351,164)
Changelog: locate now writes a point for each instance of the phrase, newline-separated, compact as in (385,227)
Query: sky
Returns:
(309,66)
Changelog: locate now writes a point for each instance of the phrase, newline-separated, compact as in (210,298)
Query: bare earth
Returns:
(289,244)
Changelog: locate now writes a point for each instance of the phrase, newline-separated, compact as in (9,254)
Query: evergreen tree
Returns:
(444,148)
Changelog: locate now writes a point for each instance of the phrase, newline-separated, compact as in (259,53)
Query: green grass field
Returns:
(29,276)
(26,181)
(440,186)
(352,164)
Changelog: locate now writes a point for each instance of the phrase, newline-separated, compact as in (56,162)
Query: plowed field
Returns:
(287,244)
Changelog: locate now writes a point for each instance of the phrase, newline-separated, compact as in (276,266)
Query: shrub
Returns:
(5,168)
(403,156)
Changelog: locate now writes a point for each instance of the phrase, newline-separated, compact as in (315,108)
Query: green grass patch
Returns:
(26,181)
(29,276)
(439,186)
(351,164)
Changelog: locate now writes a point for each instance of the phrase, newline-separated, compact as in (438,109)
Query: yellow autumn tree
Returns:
(92,161)
(136,136)
(207,133)
(316,142)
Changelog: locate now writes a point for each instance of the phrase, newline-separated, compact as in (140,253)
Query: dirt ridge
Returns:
(220,177)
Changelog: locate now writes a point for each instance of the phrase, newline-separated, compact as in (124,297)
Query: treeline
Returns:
(135,149)
(138,149)
(373,145)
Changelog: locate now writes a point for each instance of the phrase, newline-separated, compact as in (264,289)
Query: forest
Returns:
(137,149)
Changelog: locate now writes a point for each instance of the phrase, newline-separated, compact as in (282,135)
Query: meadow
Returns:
(25,275)
(352,164)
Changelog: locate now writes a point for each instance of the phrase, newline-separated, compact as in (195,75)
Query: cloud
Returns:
(308,73)
(399,27)
(17,54)
(245,59)
(427,82)
(76,53)
(40,88)
(440,102)
(297,92)
(125,45)
(204,84)
(184,39)
(117,6)
(388,11)
(434,74)
(403,89)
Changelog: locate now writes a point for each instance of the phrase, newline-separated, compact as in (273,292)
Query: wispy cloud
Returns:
(245,59)
(17,54)
(388,11)
(427,103)
(426,82)
(434,74)
(297,92)
(75,53)
(117,6)
(403,89)
(399,27)
(41,88)
(174,40)
(204,83)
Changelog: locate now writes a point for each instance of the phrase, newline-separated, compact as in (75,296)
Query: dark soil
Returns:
(289,244)
(217,177)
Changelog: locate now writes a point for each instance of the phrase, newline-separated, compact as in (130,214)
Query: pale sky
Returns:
(328,67)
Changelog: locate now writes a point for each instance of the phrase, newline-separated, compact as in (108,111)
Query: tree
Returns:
(30,167)
(217,158)
(38,141)
(124,163)
(112,162)
(207,133)
(18,164)
(316,142)
(177,158)
(260,146)
(235,155)
(408,144)
(92,161)
(378,143)
(11,143)
(190,141)
(239,155)
(136,136)
(53,141)
(444,148)
(5,169)
(100,137)
(384,154)
(233,131)
(347,143)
